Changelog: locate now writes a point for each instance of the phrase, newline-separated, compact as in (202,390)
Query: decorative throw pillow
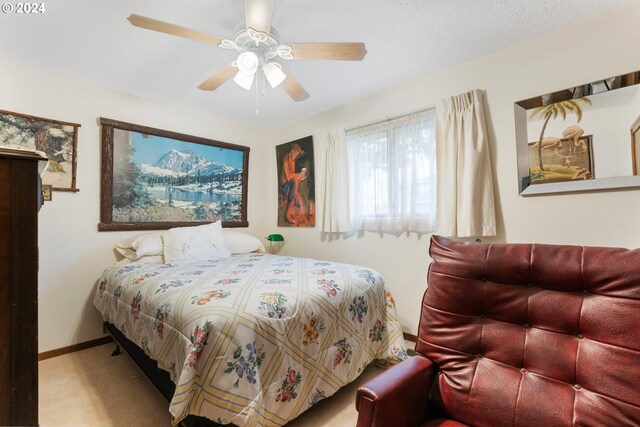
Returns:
(242,243)
(147,244)
(204,242)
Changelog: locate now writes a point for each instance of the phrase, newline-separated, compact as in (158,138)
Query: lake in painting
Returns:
(158,179)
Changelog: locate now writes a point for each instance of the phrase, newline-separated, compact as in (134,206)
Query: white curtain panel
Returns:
(465,203)
(332,201)
(392,171)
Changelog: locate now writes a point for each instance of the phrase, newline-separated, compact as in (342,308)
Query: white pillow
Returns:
(143,260)
(204,242)
(141,245)
(242,243)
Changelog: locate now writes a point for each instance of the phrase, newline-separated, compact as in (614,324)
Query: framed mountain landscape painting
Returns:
(157,179)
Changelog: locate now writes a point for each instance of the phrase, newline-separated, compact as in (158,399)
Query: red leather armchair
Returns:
(518,335)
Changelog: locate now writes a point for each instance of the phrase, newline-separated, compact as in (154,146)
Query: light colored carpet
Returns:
(91,388)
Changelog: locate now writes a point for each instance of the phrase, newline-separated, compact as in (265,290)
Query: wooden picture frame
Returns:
(154,179)
(635,146)
(58,140)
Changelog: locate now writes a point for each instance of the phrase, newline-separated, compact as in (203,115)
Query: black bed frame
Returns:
(159,377)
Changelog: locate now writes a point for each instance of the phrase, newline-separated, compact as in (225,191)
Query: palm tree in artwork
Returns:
(554,110)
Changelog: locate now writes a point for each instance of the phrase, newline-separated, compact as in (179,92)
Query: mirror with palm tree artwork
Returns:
(578,139)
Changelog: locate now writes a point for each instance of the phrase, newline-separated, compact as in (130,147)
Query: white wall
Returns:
(603,46)
(72,252)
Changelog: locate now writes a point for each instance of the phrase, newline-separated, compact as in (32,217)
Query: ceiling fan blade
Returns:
(338,51)
(213,82)
(176,30)
(258,15)
(293,88)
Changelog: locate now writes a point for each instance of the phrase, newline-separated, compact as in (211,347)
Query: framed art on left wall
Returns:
(156,179)
(56,139)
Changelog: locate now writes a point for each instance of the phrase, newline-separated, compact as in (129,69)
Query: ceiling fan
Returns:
(258,45)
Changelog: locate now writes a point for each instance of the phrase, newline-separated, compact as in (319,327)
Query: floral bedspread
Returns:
(255,339)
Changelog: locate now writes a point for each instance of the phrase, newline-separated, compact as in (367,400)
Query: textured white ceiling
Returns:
(91,41)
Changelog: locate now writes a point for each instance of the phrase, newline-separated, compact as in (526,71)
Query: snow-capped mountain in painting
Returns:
(180,163)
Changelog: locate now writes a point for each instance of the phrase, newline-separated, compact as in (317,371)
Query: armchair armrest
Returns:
(397,397)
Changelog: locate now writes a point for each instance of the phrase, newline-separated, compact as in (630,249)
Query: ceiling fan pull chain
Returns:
(257,97)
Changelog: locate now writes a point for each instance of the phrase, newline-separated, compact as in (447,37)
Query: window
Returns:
(392,174)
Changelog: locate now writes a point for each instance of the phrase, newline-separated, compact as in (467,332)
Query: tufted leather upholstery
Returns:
(523,335)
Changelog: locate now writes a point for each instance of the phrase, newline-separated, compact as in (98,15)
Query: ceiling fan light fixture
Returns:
(248,63)
(274,74)
(243,80)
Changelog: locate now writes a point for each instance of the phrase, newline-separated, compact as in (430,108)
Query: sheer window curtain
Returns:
(392,167)
(465,203)
(332,204)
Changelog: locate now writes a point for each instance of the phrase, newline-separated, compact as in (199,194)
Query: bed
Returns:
(252,339)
